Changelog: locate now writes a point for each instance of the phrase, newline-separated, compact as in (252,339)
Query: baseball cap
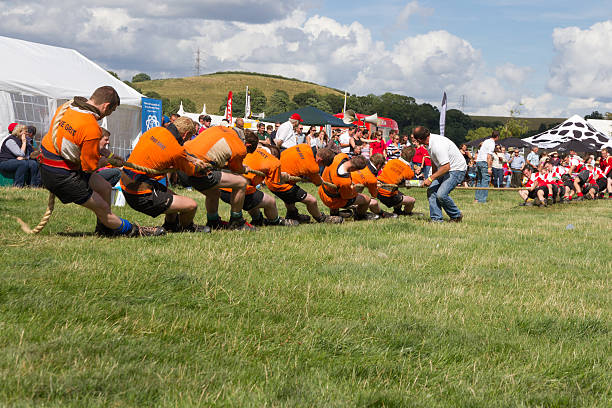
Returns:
(12,127)
(296,117)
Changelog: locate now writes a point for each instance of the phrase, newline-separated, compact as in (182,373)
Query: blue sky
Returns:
(547,58)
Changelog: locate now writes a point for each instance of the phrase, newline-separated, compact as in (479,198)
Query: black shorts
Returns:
(250,200)
(152,204)
(569,184)
(68,186)
(392,201)
(206,182)
(534,193)
(602,183)
(295,195)
(588,186)
(583,176)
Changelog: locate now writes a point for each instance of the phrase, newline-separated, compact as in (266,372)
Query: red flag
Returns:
(228,109)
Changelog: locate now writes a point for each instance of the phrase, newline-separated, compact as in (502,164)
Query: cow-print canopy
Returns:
(574,128)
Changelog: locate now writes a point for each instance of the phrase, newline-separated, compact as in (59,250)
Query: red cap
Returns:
(296,117)
(11,127)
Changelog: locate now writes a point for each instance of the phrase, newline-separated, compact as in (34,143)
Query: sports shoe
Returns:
(103,231)
(172,226)
(330,219)
(240,224)
(138,231)
(258,222)
(195,228)
(345,213)
(366,217)
(217,224)
(282,222)
(385,214)
(579,198)
(456,219)
(539,203)
(301,218)
(549,201)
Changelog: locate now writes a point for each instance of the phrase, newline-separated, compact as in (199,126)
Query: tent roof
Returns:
(311,116)
(55,72)
(574,128)
(514,142)
(475,143)
(578,146)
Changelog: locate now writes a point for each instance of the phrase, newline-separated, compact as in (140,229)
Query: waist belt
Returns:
(330,195)
(53,160)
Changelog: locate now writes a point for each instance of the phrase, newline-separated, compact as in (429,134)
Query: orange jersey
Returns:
(298,161)
(220,146)
(394,172)
(367,179)
(157,149)
(346,190)
(262,161)
(78,138)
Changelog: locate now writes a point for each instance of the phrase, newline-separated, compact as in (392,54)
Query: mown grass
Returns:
(508,309)
(212,89)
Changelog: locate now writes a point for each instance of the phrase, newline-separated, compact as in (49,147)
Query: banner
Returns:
(228,109)
(247,104)
(151,113)
(443,115)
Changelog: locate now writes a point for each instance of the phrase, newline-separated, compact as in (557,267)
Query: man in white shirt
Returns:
(484,162)
(285,134)
(346,138)
(449,167)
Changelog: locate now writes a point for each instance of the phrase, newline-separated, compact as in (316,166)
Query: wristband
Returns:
(110,155)
(430,180)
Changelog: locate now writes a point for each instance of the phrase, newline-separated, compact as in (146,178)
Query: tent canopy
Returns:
(514,142)
(578,146)
(475,143)
(574,128)
(311,116)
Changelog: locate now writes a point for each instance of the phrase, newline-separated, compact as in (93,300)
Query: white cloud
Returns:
(513,74)
(583,67)
(411,9)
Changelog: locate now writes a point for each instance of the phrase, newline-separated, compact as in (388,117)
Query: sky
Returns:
(540,58)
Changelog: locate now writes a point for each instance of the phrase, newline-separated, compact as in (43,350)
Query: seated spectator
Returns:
(17,158)
(105,168)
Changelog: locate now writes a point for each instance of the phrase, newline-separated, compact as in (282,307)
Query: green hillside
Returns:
(532,123)
(212,89)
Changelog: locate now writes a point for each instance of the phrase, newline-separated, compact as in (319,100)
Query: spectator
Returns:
(262,135)
(273,133)
(421,161)
(484,160)
(497,166)
(472,174)
(15,158)
(533,158)
(105,168)
(379,145)
(394,148)
(299,133)
(286,136)
(174,117)
(205,122)
(517,164)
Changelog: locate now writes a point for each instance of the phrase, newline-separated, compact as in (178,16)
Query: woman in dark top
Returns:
(15,158)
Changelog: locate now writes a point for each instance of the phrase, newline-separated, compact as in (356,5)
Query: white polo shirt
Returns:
(345,138)
(442,150)
(488,146)
(287,135)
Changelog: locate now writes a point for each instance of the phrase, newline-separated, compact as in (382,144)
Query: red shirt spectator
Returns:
(420,153)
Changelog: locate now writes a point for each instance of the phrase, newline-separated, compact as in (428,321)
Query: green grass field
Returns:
(508,309)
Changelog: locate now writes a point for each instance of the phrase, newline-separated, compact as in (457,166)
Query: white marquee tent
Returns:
(35,79)
(574,128)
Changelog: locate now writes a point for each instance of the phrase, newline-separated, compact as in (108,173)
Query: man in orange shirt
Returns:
(345,193)
(162,148)
(69,163)
(367,178)
(396,171)
(221,147)
(301,161)
(260,160)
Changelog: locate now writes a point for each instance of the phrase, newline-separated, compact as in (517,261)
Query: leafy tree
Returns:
(280,103)
(514,127)
(258,102)
(428,116)
(114,74)
(302,98)
(457,125)
(474,134)
(608,116)
(170,106)
(335,102)
(128,83)
(594,115)
(141,77)
(152,94)
(324,106)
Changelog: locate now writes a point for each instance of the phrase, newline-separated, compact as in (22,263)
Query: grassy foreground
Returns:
(509,309)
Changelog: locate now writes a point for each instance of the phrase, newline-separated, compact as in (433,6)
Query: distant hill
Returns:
(212,89)
(532,123)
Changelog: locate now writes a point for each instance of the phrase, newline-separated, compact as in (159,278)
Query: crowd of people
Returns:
(356,171)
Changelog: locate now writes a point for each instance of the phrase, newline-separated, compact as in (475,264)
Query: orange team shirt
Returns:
(266,163)
(298,161)
(346,189)
(366,178)
(78,138)
(220,146)
(394,172)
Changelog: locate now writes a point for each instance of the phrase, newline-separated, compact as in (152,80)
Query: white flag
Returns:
(443,115)
(344,108)
(247,104)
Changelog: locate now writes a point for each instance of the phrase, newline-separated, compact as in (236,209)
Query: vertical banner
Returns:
(228,109)
(344,108)
(247,104)
(443,115)
(151,114)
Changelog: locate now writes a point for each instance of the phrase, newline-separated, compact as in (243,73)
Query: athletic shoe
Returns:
(457,219)
(103,231)
(282,222)
(549,201)
(138,231)
(171,227)
(259,222)
(366,217)
(301,218)
(240,224)
(539,203)
(345,213)
(579,198)
(330,219)
(217,224)
(385,214)
(196,228)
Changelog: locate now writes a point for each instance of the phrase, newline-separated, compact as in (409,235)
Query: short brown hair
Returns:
(184,124)
(251,141)
(359,162)
(377,159)
(106,94)
(326,155)
(408,153)
(421,133)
